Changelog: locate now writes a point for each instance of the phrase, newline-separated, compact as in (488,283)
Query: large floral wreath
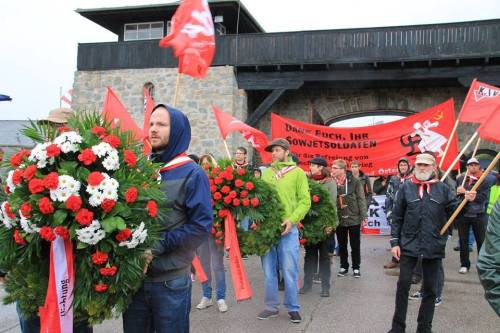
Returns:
(88,183)
(247,198)
(322,214)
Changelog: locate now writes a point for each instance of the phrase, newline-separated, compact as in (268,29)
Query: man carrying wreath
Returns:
(293,191)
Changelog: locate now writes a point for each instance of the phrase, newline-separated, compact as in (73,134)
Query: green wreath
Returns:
(322,214)
(123,199)
(245,196)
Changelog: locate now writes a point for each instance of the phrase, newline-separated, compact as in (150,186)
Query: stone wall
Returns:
(194,99)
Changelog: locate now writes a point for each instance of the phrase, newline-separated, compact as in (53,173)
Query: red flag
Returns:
(482,99)
(66,98)
(256,138)
(114,112)
(241,285)
(198,269)
(489,128)
(149,104)
(192,37)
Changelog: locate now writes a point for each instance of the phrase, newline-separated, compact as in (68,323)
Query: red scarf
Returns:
(237,165)
(473,178)
(403,178)
(340,180)
(318,177)
(176,162)
(424,185)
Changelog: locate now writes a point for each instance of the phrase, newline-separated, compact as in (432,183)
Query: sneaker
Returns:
(438,301)
(342,272)
(204,303)
(463,270)
(295,317)
(416,296)
(305,289)
(222,305)
(316,279)
(325,292)
(266,314)
(356,273)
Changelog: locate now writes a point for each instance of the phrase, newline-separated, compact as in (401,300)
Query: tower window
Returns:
(143,30)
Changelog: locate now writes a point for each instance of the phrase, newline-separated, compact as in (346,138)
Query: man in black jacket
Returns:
(421,208)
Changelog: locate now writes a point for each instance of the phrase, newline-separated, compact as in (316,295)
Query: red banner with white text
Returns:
(377,148)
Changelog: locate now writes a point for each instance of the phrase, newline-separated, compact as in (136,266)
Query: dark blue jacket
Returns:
(189,218)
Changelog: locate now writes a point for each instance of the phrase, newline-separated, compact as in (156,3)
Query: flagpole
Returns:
(473,155)
(60,97)
(476,185)
(227,149)
(448,143)
(177,85)
(458,156)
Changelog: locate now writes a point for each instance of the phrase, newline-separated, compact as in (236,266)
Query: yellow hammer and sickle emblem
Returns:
(438,115)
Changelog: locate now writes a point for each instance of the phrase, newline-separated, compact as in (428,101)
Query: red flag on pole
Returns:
(192,37)
(256,138)
(481,100)
(114,112)
(489,129)
(149,104)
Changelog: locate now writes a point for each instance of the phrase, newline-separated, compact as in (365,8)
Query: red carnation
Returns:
(113,140)
(229,176)
(238,182)
(99,258)
(17,176)
(233,194)
(225,189)
(245,202)
(8,211)
(303,241)
(95,178)
(217,196)
(84,217)
(131,195)
(45,206)
(108,271)
(215,171)
(253,226)
(87,156)
(29,172)
(36,186)
(63,232)
(243,194)
(315,198)
(101,287)
(249,186)
(228,200)
(229,169)
(47,233)
(74,203)
(255,202)
(51,181)
(152,208)
(18,238)
(236,202)
(223,213)
(26,210)
(130,158)
(53,150)
(123,235)
(17,158)
(219,234)
(218,181)
(241,171)
(98,130)
(213,188)
(107,205)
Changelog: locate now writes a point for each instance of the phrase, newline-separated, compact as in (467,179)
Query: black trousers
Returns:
(430,268)
(354,234)
(478,225)
(313,253)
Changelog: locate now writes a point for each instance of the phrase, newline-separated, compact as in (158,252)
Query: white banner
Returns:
(377,221)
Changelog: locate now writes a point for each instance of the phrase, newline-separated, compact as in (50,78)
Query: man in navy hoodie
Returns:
(163,302)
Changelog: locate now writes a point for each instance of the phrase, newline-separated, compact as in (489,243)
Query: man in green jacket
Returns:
(488,262)
(293,191)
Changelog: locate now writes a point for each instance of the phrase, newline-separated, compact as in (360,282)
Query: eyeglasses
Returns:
(336,167)
(238,153)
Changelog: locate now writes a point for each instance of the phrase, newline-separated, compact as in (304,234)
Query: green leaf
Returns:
(113,223)
(80,245)
(59,216)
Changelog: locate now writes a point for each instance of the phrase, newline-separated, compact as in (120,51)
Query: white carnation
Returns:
(9,181)
(138,237)
(91,234)
(67,186)
(26,224)
(7,221)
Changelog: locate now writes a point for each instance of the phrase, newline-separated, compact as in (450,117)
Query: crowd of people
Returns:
(417,206)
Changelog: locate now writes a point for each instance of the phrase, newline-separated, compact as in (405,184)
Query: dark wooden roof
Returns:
(114,18)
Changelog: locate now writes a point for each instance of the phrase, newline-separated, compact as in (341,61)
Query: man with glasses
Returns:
(240,158)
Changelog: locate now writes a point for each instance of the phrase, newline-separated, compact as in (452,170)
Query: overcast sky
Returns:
(38,39)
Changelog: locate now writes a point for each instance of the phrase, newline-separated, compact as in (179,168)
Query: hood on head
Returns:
(180,135)
(404,159)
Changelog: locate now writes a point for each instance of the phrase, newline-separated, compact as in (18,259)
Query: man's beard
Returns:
(423,175)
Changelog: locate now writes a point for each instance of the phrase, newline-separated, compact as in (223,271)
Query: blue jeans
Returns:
(212,256)
(287,254)
(160,307)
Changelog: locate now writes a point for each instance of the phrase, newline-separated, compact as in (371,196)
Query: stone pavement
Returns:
(356,305)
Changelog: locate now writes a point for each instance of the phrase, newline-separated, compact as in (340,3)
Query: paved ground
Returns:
(356,305)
